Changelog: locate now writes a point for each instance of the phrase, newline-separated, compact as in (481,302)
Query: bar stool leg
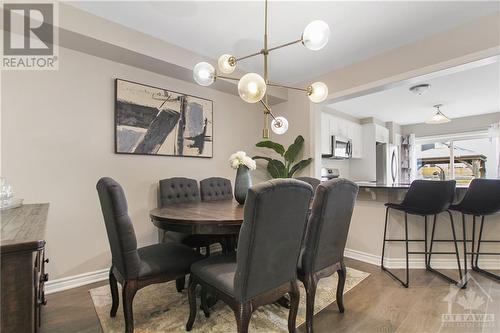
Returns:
(464,234)
(385,233)
(432,244)
(456,245)
(407,253)
(479,241)
(473,241)
(475,267)
(425,243)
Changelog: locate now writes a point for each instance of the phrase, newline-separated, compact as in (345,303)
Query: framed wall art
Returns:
(156,121)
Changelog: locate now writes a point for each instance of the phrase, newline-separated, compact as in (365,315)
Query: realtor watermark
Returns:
(29,37)
(468,308)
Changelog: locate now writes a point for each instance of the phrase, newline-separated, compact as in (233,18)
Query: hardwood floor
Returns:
(378,304)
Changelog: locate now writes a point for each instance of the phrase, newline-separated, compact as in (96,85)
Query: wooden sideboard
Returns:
(23,261)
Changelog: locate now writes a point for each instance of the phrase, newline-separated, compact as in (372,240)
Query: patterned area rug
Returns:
(160,308)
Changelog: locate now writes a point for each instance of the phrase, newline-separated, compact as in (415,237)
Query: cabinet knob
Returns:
(46,260)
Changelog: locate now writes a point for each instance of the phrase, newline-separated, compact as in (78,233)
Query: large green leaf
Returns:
(299,166)
(272,145)
(262,158)
(276,169)
(294,149)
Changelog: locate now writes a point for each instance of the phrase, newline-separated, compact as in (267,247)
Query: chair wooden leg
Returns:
(310,284)
(180,283)
(243,314)
(294,306)
(204,302)
(113,285)
(192,302)
(342,272)
(128,293)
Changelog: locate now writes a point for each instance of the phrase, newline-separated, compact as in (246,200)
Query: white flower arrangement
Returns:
(240,158)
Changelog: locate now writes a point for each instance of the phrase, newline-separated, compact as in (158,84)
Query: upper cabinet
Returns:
(381,134)
(333,125)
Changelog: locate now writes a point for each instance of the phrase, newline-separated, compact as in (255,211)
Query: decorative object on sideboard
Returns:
(7,199)
(243,164)
(285,168)
(438,117)
(252,87)
(156,121)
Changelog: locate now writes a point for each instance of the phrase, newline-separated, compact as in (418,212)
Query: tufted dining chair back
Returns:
(216,188)
(177,190)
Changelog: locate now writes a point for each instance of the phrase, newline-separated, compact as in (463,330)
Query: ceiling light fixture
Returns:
(420,89)
(438,117)
(252,87)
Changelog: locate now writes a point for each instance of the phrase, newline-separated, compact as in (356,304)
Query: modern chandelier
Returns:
(438,117)
(252,87)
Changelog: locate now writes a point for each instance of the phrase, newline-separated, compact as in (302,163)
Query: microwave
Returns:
(340,148)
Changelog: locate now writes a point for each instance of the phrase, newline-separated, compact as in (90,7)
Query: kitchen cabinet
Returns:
(333,125)
(381,134)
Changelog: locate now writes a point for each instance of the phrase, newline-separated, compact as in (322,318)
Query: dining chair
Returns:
(178,190)
(135,268)
(265,266)
(314,182)
(324,242)
(216,188)
(424,198)
(481,199)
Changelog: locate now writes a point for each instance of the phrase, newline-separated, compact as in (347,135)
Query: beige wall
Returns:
(58,140)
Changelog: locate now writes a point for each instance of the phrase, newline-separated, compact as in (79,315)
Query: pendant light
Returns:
(438,117)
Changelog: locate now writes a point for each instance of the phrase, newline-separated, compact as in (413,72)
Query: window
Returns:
(460,157)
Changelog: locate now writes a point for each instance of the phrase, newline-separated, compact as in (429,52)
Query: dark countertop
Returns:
(394,186)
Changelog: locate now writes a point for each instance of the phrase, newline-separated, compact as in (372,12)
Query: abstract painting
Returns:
(155,121)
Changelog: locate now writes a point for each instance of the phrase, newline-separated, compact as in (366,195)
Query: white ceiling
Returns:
(467,93)
(359,29)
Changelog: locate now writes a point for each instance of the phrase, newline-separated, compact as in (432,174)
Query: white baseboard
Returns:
(53,286)
(416,263)
(69,282)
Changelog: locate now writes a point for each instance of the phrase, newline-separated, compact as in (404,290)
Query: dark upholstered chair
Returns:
(265,265)
(325,238)
(314,182)
(136,268)
(424,197)
(177,190)
(216,188)
(482,199)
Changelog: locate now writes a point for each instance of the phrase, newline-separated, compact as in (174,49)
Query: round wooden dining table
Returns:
(203,217)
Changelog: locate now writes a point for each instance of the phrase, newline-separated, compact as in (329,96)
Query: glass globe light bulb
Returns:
(227,63)
(252,87)
(279,125)
(315,35)
(204,74)
(317,92)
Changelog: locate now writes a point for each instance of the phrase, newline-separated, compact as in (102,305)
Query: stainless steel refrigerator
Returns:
(387,163)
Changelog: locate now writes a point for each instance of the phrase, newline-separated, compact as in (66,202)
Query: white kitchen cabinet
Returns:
(325,133)
(381,134)
(355,133)
(332,125)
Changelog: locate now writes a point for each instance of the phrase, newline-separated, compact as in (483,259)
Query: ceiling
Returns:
(466,93)
(359,30)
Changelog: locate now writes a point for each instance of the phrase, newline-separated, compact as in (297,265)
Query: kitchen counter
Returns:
(394,185)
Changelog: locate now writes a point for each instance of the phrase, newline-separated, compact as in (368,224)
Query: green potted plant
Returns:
(286,167)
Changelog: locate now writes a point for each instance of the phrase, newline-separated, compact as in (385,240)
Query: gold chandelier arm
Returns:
(285,86)
(250,55)
(226,77)
(284,45)
(267,108)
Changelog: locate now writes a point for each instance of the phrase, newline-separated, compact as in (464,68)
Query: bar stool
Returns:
(424,198)
(481,199)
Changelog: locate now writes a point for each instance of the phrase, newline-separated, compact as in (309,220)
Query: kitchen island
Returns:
(367,228)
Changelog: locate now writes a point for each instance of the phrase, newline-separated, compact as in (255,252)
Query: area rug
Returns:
(160,308)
